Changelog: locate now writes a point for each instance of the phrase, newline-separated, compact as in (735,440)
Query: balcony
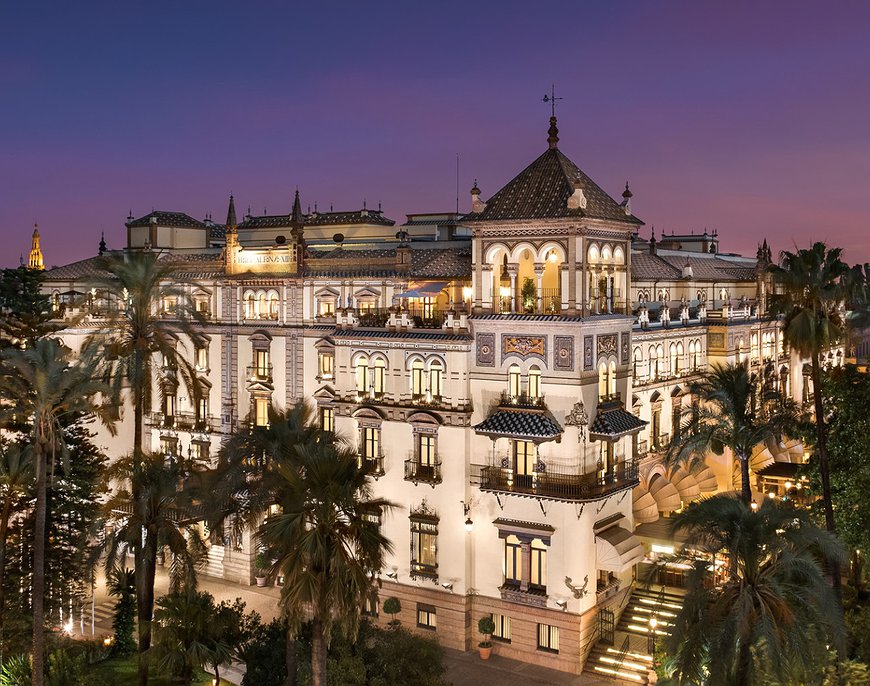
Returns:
(425,317)
(515,591)
(416,472)
(374,465)
(508,399)
(374,317)
(554,484)
(259,373)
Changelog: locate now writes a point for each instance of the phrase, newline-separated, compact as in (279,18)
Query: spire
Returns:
(102,247)
(652,241)
(34,260)
(231,212)
(553,137)
(296,215)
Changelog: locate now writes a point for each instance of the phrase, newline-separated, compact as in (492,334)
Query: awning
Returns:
(706,480)
(761,457)
(667,497)
(644,506)
(614,423)
(686,485)
(617,549)
(527,425)
(781,470)
(424,290)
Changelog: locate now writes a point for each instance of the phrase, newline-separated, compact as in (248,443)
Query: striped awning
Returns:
(617,549)
(686,484)
(706,480)
(643,506)
(666,495)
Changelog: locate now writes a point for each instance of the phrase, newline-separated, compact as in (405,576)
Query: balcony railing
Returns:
(521,400)
(555,484)
(259,373)
(425,317)
(374,465)
(418,472)
(642,449)
(376,317)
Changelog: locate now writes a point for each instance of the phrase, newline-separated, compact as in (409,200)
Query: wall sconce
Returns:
(466,292)
(448,585)
(563,605)
(394,574)
(466,510)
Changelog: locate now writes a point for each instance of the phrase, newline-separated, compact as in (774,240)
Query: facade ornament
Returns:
(579,418)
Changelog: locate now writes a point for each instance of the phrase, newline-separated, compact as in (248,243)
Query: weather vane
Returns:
(551,98)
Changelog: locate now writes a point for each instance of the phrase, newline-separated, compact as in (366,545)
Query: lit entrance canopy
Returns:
(617,548)
(424,290)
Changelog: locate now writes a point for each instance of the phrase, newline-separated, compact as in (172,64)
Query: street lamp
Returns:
(651,637)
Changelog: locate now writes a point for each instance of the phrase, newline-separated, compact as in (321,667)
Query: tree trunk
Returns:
(290,658)
(743,677)
(4,527)
(217,674)
(38,585)
(745,489)
(318,654)
(146,564)
(824,471)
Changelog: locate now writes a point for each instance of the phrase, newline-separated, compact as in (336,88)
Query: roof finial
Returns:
(553,131)
(626,199)
(102,247)
(231,212)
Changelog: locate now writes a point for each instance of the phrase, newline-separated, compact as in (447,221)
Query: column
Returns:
(484,297)
(539,278)
(526,554)
(512,272)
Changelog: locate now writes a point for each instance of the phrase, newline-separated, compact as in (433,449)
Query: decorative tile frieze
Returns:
(486,350)
(563,353)
(524,346)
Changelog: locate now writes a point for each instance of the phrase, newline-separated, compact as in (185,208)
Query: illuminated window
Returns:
(169,406)
(424,546)
(534,383)
(426,617)
(326,365)
(200,451)
(170,305)
(202,409)
(538,576)
(370,448)
(514,387)
(326,307)
(250,305)
(502,628)
(436,377)
(273,305)
(426,450)
(418,379)
(202,358)
(261,411)
(362,375)
(261,364)
(548,638)
(379,379)
(327,419)
(513,560)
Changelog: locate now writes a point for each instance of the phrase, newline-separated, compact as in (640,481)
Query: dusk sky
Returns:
(746,117)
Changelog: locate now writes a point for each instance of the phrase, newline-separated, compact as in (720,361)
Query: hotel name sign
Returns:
(267,260)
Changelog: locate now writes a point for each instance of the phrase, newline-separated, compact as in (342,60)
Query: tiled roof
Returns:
(519,423)
(434,263)
(542,190)
(441,262)
(175,219)
(217,231)
(281,221)
(713,268)
(83,269)
(647,267)
(614,423)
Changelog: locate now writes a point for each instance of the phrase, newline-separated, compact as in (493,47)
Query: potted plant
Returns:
(485,626)
(392,607)
(262,563)
(529,295)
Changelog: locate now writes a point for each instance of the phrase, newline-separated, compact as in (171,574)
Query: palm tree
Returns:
(150,306)
(49,392)
(323,542)
(775,605)
(160,514)
(728,416)
(16,476)
(812,288)
(121,584)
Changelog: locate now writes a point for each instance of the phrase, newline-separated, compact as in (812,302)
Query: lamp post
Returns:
(651,636)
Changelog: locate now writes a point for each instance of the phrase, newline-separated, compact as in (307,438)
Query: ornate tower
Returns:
(34,261)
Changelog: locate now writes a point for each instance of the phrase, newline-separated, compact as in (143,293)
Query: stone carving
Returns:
(486,349)
(563,353)
(579,418)
(607,344)
(587,352)
(624,339)
(524,346)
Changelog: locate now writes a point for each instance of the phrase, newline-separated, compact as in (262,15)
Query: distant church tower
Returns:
(35,259)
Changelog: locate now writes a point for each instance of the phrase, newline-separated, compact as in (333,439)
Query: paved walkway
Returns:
(463,668)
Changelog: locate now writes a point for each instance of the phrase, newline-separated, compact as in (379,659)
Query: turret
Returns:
(35,261)
(477,205)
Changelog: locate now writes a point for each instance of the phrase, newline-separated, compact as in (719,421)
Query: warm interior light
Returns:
(552,256)
(469,525)
(771,495)
(466,292)
(754,506)
(504,291)
(788,485)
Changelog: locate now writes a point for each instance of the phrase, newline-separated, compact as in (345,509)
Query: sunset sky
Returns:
(747,117)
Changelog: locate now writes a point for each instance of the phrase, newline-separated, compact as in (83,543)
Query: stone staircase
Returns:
(628,660)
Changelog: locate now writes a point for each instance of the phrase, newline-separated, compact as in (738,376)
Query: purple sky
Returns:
(748,117)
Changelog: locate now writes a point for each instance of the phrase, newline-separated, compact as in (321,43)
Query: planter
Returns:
(485,652)
(261,581)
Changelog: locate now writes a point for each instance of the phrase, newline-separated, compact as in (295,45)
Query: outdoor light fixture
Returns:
(754,506)
(771,495)
(448,585)
(651,639)
(394,574)
(466,509)
(563,604)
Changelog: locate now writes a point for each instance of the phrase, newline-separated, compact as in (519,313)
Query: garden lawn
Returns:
(123,672)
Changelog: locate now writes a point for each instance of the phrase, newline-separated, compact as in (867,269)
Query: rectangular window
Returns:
(200,451)
(326,307)
(502,628)
(202,411)
(326,365)
(514,379)
(261,411)
(169,406)
(202,359)
(371,443)
(424,548)
(170,304)
(426,618)
(379,379)
(538,576)
(513,560)
(426,456)
(261,359)
(327,419)
(169,448)
(370,605)
(418,379)
(548,638)
(362,376)
(436,377)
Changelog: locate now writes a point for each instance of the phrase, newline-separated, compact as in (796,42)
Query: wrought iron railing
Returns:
(260,372)
(425,472)
(521,400)
(374,465)
(373,316)
(552,483)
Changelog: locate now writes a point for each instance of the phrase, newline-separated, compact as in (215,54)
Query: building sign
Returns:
(268,260)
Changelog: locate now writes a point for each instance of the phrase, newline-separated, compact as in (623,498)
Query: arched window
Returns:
(674,359)
(362,375)
(273,305)
(262,305)
(653,364)
(534,382)
(436,378)
(611,379)
(637,360)
(602,379)
(723,294)
(514,388)
(249,305)
(418,379)
(379,377)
